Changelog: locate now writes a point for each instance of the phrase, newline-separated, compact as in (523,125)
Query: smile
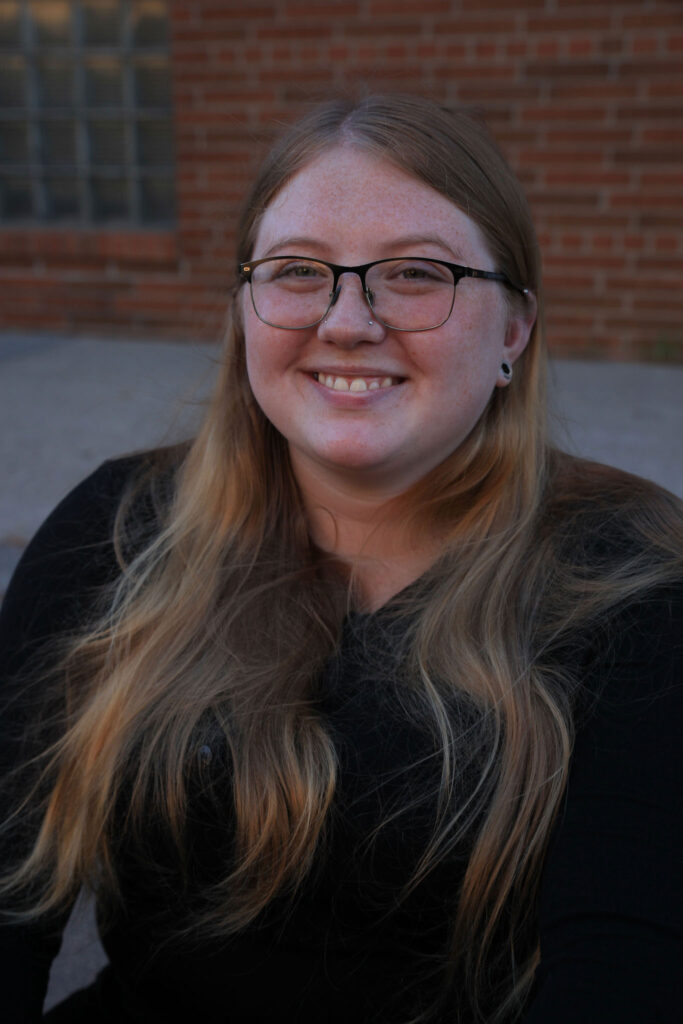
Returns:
(355,383)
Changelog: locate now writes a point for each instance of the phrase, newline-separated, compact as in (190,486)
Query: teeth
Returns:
(356,384)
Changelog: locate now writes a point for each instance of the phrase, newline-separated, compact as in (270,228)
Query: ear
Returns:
(520,324)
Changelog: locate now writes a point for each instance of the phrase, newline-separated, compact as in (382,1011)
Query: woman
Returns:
(366,705)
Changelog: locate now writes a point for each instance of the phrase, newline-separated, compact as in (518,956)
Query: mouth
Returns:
(356,383)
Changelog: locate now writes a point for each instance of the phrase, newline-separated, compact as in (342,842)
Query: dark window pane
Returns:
(103,82)
(10,25)
(13,142)
(102,23)
(150,23)
(109,198)
(58,142)
(56,83)
(62,197)
(12,82)
(51,22)
(16,199)
(157,197)
(152,83)
(155,143)
(107,142)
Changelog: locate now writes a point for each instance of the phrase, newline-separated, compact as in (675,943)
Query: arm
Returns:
(51,592)
(611,909)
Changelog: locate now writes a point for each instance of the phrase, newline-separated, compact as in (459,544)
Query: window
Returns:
(86,130)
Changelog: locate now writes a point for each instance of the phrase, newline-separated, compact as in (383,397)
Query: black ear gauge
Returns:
(506,370)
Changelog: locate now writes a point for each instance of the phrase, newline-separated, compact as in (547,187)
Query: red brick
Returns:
(486,72)
(670,87)
(228,12)
(589,134)
(368,29)
(297,31)
(644,44)
(641,154)
(660,66)
(330,8)
(669,136)
(581,46)
(579,91)
(587,177)
(582,22)
(612,44)
(547,47)
(669,16)
(667,243)
(571,69)
(553,112)
(499,5)
(473,25)
(665,178)
(377,8)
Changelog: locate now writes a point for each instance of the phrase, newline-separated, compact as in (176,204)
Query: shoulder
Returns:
(81,524)
(591,501)
(610,540)
(73,556)
(610,548)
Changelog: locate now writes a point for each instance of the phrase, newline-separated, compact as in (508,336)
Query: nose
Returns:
(349,320)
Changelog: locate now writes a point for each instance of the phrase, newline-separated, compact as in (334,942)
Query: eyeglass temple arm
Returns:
(492,275)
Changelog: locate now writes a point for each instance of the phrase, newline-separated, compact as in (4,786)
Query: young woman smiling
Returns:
(360,706)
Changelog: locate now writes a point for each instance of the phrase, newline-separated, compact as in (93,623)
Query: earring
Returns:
(370,323)
(506,370)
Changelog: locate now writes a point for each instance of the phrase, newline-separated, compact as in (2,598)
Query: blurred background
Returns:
(129,130)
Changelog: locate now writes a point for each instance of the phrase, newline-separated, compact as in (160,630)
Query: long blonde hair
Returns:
(230,611)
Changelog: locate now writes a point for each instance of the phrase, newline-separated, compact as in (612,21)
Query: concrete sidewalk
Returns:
(68,403)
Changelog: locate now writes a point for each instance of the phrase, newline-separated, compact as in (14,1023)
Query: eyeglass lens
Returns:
(408,294)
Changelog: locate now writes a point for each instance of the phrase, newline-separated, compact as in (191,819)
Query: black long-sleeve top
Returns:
(611,900)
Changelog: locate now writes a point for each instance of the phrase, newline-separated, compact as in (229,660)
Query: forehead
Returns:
(355,205)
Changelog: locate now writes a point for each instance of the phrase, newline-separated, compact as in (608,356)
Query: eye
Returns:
(411,274)
(301,269)
(288,273)
(420,270)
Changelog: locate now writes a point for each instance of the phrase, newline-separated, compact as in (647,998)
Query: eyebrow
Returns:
(294,240)
(396,243)
(404,240)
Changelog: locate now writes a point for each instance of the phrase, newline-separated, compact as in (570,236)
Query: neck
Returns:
(362,525)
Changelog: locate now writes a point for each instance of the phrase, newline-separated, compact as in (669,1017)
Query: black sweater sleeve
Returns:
(611,912)
(51,592)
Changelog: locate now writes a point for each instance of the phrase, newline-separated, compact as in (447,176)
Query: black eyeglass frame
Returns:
(246,268)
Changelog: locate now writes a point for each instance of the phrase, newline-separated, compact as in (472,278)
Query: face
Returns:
(349,207)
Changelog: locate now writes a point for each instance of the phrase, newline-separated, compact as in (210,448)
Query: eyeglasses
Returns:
(406,294)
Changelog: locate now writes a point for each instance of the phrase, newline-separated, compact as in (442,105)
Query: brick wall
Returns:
(586,98)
